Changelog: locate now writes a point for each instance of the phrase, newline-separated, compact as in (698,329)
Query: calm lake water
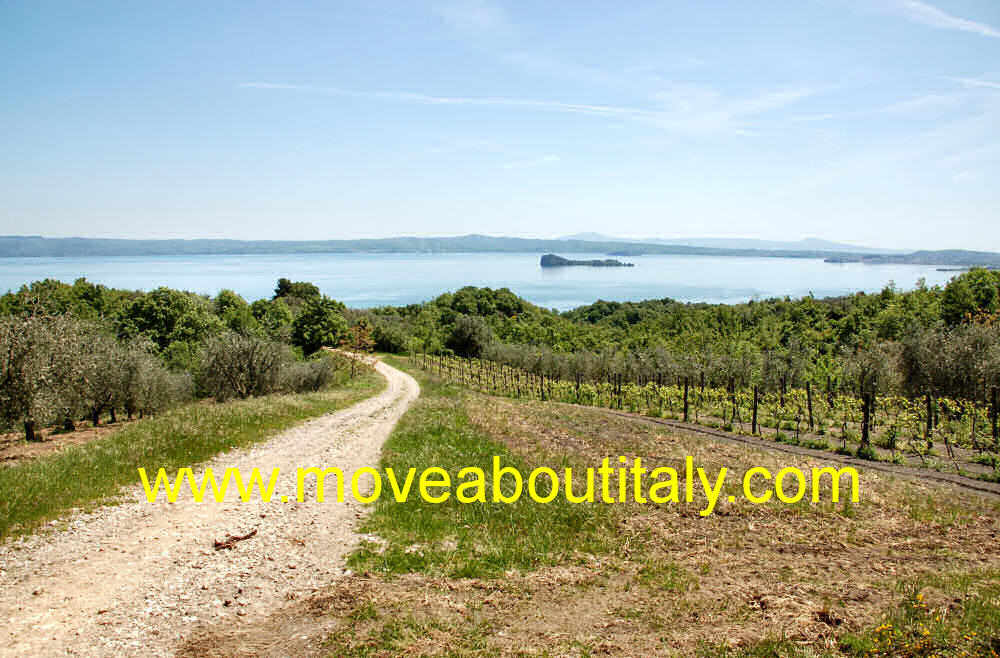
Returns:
(364,280)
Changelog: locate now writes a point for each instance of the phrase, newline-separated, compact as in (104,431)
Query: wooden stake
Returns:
(685,399)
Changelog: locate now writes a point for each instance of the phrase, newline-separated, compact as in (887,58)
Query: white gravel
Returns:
(136,578)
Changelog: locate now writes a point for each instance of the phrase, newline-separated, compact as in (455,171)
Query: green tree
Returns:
(234,312)
(970,295)
(319,323)
(169,316)
(274,318)
(470,336)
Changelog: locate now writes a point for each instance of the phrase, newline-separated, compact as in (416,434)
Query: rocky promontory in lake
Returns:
(551,260)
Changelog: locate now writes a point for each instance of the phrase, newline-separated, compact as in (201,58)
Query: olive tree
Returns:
(240,365)
(102,374)
(38,361)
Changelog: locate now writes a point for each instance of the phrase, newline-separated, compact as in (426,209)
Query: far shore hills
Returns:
(37,246)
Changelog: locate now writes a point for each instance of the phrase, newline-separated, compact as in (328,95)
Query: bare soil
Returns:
(14,449)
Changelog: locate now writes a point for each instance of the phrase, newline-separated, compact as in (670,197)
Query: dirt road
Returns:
(136,578)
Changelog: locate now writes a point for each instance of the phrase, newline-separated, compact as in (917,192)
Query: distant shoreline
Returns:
(41,247)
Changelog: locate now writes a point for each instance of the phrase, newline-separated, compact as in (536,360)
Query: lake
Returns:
(365,280)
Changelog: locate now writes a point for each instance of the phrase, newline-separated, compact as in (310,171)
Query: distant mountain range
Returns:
(808,244)
(37,246)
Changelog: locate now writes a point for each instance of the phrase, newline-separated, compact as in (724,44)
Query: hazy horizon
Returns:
(539,236)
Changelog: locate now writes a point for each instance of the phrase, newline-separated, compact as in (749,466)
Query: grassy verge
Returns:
(469,540)
(83,475)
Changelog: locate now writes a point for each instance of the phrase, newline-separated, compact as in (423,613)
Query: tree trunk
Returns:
(114,419)
(69,425)
(29,430)
(95,417)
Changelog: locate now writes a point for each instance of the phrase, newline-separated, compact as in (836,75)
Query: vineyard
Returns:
(934,432)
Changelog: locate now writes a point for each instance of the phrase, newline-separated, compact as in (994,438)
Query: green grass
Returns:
(935,615)
(948,615)
(81,476)
(480,540)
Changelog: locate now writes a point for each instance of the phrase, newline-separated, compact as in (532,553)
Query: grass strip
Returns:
(84,475)
(468,540)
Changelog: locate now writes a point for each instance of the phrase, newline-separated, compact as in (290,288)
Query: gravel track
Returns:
(138,577)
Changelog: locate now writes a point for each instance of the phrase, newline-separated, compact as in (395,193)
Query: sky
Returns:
(875,122)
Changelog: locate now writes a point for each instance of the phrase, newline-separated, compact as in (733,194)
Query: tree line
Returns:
(943,340)
(72,352)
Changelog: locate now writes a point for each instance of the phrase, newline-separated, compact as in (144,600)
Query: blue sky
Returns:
(867,121)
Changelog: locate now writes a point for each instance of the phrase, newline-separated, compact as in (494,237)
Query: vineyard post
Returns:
(702,386)
(929,431)
(659,396)
(577,388)
(732,397)
(809,404)
(781,399)
(993,416)
(866,410)
(753,421)
(541,387)
(872,389)
(685,399)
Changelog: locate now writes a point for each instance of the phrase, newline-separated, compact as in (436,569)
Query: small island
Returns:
(551,260)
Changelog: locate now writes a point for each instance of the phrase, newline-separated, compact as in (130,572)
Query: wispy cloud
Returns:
(925,14)
(523,164)
(976,82)
(468,101)
(680,108)
(899,107)
(958,145)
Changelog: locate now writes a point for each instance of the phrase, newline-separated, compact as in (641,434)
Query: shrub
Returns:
(311,375)
(239,365)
